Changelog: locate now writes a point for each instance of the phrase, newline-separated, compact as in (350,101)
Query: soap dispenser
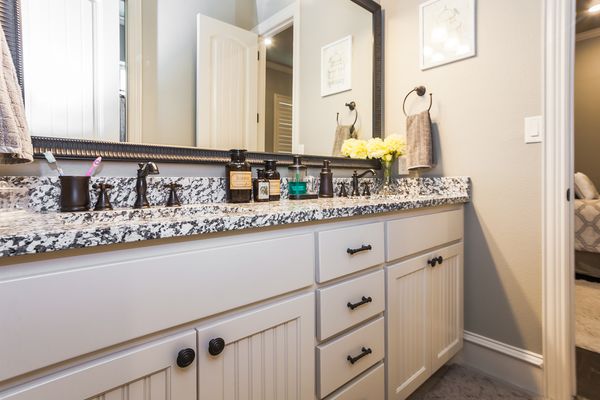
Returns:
(297,178)
(326,181)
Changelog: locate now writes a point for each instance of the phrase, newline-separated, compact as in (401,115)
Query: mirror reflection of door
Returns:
(227,86)
(278,92)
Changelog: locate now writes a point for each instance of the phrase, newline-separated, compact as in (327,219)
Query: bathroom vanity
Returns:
(299,300)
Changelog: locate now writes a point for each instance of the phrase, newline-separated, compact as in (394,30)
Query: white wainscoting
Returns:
(507,363)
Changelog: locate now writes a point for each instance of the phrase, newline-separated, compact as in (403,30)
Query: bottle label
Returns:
(263,191)
(240,180)
(275,187)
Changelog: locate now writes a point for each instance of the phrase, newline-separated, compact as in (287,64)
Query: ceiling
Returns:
(585,20)
(282,49)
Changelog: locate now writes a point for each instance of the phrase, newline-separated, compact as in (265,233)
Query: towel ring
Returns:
(420,90)
(352,107)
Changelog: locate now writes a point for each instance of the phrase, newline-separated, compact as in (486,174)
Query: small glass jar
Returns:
(297,174)
(238,178)
(274,178)
(261,187)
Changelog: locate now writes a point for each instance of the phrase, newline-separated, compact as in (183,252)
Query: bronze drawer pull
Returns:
(364,351)
(364,247)
(364,300)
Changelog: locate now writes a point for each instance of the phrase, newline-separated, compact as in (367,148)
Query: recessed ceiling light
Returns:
(594,9)
(268,41)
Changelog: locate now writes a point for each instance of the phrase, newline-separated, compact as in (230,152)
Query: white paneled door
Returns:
(260,355)
(147,372)
(227,86)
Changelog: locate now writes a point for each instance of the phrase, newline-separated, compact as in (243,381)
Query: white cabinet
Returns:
(148,371)
(425,317)
(263,354)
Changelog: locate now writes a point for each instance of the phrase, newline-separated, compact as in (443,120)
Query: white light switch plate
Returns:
(533,129)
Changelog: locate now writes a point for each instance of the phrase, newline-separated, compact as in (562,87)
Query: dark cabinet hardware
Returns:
(185,358)
(363,352)
(216,346)
(364,247)
(364,300)
(435,261)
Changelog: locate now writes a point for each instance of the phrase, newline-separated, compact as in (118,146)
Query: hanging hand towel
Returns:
(418,139)
(342,133)
(15,142)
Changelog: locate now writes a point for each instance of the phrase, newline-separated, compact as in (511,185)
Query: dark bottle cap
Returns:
(297,163)
(270,165)
(326,166)
(260,173)
(238,155)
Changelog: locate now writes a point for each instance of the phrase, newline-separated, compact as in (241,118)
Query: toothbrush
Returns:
(95,165)
(51,160)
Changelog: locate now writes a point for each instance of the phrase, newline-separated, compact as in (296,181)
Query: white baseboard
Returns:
(510,364)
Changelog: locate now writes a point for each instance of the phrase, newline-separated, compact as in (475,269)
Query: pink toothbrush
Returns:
(95,165)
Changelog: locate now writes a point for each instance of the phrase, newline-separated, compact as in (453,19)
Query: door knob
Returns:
(216,346)
(185,358)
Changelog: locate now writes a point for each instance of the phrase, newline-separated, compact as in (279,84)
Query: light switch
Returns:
(533,129)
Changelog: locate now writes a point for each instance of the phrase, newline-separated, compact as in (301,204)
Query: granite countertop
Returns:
(42,232)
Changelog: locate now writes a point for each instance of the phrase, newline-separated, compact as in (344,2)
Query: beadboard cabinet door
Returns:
(408,327)
(263,354)
(425,317)
(146,372)
(447,306)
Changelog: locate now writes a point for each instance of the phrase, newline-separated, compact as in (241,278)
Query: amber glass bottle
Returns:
(238,178)
(274,180)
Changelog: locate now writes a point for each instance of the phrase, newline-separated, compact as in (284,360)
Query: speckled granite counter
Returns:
(51,231)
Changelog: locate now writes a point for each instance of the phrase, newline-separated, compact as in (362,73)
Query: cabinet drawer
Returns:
(54,317)
(347,250)
(335,368)
(339,305)
(407,236)
(371,386)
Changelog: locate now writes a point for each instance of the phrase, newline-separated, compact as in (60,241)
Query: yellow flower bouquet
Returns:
(385,150)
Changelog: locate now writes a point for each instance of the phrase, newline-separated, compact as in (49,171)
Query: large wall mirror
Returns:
(275,76)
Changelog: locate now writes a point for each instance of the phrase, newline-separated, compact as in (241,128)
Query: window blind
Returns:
(10,19)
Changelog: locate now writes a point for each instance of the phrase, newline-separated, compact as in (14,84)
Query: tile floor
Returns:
(456,382)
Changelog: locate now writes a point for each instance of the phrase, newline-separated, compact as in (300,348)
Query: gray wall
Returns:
(324,22)
(587,101)
(479,106)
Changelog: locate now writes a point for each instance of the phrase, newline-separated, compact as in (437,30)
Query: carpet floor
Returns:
(587,315)
(456,382)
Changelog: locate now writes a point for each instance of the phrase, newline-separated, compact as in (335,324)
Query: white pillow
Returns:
(584,187)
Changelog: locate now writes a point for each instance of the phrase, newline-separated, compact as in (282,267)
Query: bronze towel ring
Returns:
(420,90)
(352,107)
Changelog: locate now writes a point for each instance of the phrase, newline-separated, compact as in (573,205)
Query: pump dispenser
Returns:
(326,181)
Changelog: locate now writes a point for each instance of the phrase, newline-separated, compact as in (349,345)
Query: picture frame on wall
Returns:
(336,67)
(447,32)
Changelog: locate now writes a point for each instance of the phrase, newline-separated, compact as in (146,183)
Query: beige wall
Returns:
(479,106)
(587,100)
(324,22)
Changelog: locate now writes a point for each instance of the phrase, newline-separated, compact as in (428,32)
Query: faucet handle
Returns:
(103,202)
(367,189)
(343,190)
(173,199)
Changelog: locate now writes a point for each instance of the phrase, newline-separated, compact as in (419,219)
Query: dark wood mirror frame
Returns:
(79,149)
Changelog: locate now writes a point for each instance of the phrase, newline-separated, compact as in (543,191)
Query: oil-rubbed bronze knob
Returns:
(216,346)
(185,358)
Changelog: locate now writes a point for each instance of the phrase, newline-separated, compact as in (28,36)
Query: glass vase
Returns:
(386,188)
